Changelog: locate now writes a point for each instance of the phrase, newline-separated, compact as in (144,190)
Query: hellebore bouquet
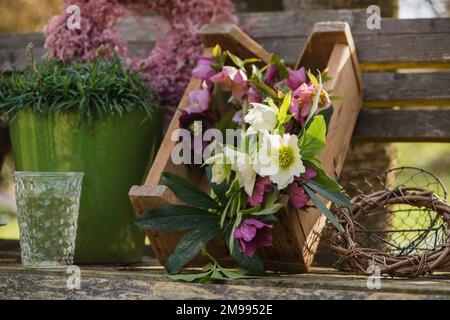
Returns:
(279,119)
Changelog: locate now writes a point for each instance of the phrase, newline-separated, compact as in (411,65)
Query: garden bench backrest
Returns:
(405,64)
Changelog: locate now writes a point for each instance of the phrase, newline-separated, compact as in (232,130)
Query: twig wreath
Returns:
(394,259)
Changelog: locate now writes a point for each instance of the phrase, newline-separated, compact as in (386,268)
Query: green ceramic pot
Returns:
(114,153)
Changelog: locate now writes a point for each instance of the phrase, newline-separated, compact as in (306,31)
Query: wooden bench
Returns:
(407,90)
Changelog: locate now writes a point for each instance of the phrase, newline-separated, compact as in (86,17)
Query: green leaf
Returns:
(257,74)
(327,113)
(236,60)
(284,108)
(268,210)
(217,275)
(217,51)
(313,139)
(313,79)
(314,105)
(265,88)
(237,222)
(252,60)
(189,246)
(234,275)
(189,277)
(334,196)
(328,182)
(268,218)
(225,121)
(281,66)
(177,218)
(252,264)
(323,208)
(322,176)
(188,192)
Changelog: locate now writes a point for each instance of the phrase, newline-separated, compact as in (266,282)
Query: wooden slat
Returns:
(389,125)
(386,89)
(296,23)
(399,43)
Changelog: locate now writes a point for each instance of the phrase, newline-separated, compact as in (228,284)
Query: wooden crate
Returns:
(297,232)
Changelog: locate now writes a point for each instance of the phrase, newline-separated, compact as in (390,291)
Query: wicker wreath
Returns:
(403,250)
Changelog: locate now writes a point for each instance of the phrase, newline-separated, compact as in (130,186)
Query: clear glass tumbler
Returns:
(48,205)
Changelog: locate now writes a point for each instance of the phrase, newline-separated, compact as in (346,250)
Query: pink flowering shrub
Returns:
(97,29)
(168,66)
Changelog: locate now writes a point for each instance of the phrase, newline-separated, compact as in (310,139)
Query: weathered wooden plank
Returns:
(399,43)
(384,89)
(387,51)
(420,125)
(147,282)
(292,24)
(296,23)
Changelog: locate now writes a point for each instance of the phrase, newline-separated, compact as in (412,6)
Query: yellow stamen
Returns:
(285,157)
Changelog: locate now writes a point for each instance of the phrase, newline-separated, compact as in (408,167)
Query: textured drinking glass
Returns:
(48,204)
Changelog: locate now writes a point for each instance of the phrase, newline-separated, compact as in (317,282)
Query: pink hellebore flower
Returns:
(295,78)
(204,70)
(253,233)
(262,186)
(231,79)
(302,98)
(238,118)
(198,101)
(297,195)
(324,100)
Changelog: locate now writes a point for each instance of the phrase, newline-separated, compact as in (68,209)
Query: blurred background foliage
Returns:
(32,15)
(26,15)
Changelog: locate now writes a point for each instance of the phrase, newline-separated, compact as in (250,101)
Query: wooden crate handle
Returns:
(320,45)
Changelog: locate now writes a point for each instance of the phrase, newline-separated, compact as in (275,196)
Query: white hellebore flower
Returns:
(260,117)
(241,163)
(220,172)
(279,159)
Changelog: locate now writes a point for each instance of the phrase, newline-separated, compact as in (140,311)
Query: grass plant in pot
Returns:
(98,117)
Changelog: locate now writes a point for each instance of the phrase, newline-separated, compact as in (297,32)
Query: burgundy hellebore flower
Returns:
(204,70)
(192,121)
(253,233)
(297,195)
(262,186)
(295,78)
